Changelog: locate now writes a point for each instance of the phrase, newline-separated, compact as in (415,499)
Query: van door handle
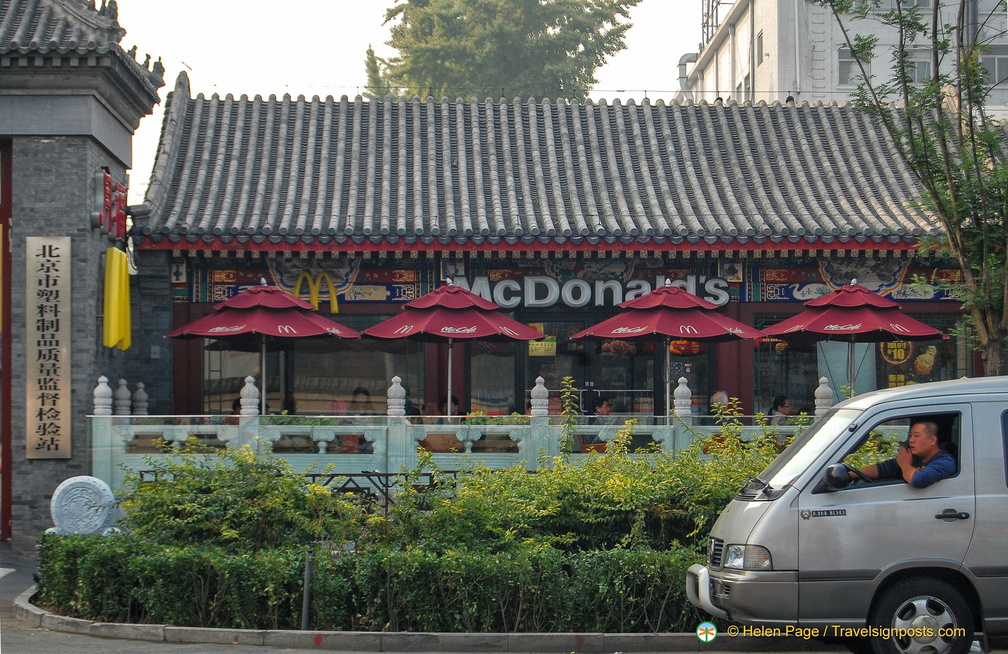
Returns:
(948,515)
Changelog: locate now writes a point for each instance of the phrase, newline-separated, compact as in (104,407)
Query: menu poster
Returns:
(47,347)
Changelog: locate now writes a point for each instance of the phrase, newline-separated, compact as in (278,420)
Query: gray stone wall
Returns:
(151,301)
(53,195)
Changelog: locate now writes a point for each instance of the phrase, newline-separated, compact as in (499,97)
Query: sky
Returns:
(317,47)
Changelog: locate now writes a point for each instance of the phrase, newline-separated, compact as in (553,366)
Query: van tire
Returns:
(921,602)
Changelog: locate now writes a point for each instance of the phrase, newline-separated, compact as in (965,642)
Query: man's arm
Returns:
(940,466)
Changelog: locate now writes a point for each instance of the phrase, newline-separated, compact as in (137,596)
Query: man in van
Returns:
(921,460)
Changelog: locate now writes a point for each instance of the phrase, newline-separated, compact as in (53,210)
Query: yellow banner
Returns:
(117,321)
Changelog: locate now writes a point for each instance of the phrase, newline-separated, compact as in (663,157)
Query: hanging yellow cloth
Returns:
(117,325)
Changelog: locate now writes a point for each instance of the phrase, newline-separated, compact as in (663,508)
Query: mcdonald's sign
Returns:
(314,286)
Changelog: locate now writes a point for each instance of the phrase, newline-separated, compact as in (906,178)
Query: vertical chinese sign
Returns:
(47,351)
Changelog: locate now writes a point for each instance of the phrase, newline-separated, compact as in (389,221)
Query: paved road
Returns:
(17,637)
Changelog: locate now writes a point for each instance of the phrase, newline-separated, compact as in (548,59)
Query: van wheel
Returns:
(928,612)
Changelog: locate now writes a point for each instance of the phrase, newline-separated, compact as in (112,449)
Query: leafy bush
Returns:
(600,543)
(531,588)
(232,498)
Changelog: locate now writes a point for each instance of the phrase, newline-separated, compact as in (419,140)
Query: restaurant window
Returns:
(794,369)
(491,381)
(319,380)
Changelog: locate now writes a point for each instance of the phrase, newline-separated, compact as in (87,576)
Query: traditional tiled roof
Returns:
(325,174)
(33,32)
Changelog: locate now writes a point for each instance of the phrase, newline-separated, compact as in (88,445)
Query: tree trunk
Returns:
(994,356)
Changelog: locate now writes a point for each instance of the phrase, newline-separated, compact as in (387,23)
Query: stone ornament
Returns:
(82,505)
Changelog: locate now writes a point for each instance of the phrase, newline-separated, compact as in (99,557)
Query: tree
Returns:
(377,86)
(934,110)
(502,48)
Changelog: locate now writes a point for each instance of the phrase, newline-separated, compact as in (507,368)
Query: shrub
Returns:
(530,588)
(600,543)
(232,499)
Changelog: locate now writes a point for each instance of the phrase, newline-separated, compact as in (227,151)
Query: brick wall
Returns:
(52,196)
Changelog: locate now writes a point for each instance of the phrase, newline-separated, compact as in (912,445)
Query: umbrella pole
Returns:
(850,367)
(449,402)
(262,373)
(668,382)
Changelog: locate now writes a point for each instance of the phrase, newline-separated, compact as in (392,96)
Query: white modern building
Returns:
(772,50)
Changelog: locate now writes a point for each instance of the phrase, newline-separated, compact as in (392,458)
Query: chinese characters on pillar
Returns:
(47,351)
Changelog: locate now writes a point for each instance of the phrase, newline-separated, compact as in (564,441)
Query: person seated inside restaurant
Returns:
(360,402)
(455,418)
(780,410)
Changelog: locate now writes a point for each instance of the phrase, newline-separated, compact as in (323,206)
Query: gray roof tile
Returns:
(67,28)
(278,173)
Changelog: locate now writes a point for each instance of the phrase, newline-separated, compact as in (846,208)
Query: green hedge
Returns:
(533,588)
(598,544)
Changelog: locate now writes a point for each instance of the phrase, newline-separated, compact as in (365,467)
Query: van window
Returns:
(884,439)
(1004,441)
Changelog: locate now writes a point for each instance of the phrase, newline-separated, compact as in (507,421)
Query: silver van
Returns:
(912,569)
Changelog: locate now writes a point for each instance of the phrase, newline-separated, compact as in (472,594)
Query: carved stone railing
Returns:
(381,444)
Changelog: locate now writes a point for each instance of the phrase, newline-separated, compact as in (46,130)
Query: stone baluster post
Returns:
(682,400)
(102,397)
(139,400)
(400,450)
(539,399)
(249,397)
(540,437)
(682,412)
(102,457)
(823,397)
(121,399)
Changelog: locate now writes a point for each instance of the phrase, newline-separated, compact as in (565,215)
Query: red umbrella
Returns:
(263,312)
(854,314)
(450,312)
(674,313)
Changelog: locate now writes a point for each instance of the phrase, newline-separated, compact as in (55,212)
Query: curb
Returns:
(369,641)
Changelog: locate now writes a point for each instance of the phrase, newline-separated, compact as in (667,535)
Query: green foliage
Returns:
(530,588)
(481,418)
(569,415)
(599,543)
(944,133)
(501,48)
(231,499)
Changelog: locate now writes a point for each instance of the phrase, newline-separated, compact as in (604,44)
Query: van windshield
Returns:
(787,467)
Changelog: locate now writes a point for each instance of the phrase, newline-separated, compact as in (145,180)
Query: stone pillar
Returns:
(249,398)
(823,397)
(539,399)
(682,400)
(400,450)
(102,397)
(122,399)
(102,457)
(140,400)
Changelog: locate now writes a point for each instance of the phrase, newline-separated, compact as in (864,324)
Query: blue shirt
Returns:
(938,467)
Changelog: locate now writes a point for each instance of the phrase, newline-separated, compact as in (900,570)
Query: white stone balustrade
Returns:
(379,443)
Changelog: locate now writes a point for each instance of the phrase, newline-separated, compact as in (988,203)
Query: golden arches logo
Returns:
(314,286)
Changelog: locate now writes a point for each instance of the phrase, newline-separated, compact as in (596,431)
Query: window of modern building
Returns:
(919,71)
(996,67)
(759,48)
(849,73)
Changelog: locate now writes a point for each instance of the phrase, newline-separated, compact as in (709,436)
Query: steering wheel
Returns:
(862,476)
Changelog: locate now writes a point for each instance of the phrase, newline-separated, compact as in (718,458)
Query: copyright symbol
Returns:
(732,631)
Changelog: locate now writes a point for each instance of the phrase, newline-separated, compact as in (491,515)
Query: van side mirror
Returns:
(836,476)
